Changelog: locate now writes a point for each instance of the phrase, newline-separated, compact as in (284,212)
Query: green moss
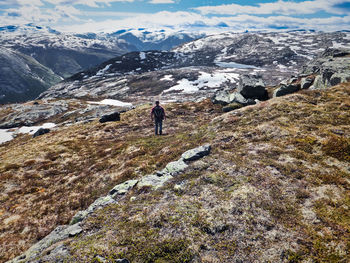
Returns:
(337,147)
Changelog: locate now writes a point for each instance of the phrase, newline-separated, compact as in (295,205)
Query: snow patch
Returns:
(111,102)
(142,55)
(205,80)
(34,129)
(8,134)
(103,71)
(167,78)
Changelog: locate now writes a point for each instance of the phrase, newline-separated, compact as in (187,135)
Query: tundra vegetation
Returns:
(275,188)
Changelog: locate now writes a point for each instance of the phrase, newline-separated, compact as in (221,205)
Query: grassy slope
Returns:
(46,180)
(276,187)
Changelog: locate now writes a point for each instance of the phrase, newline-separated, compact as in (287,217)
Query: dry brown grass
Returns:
(274,189)
(46,180)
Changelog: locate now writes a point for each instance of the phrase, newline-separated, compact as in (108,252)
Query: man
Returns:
(158,115)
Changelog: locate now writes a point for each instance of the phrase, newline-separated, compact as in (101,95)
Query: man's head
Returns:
(157,103)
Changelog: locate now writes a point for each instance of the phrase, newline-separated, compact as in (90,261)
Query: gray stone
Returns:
(58,255)
(252,87)
(123,188)
(338,78)
(29,115)
(155,181)
(237,97)
(115,116)
(284,90)
(221,97)
(40,132)
(306,82)
(175,168)
(99,203)
(197,153)
(57,235)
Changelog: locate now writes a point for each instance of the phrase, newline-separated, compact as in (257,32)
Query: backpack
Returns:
(158,113)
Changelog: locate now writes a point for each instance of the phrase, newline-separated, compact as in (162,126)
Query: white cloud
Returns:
(278,7)
(190,21)
(162,2)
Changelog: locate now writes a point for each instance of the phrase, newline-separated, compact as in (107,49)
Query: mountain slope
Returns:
(219,58)
(65,54)
(22,77)
(274,187)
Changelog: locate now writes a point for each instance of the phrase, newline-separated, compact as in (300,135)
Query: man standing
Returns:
(158,115)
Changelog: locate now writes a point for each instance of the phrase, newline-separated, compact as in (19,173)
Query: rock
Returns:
(332,68)
(196,154)
(174,168)
(284,90)
(58,255)
(29,115)
(110,117)
(99,203)
(57,235)
(306,82)
(252,87)
(238,98)
(154,180)
(41,131)
(123,188)
(318,83)
(232,106)
(124,260)
(98,258)
(221,97)
(338,78)
(74,230)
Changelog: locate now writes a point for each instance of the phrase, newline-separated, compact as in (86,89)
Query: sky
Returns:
(187,15)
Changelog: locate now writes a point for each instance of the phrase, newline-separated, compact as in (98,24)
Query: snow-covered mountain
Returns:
(155,39)
(66,54)
(22,77)
(201,67)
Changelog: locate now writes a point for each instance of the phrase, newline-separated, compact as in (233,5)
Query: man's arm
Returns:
(152,114)
(164,113)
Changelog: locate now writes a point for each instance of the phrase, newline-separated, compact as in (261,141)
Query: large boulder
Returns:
(40,132)
(306,82)
(196,153)
(331,68)
(57,235)
(221,97)
(110,117)
(284,90)
(123,188)
(252,87)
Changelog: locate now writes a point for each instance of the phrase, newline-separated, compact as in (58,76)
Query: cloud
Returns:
(191,21)
(161,1)
(279,7)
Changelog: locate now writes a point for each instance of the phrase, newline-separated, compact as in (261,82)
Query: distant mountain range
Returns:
(199,68)
(64,54)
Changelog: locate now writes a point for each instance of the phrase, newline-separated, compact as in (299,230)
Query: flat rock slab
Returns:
(196,154)
(123,188)
(100,202)
(57,235)
(154,181)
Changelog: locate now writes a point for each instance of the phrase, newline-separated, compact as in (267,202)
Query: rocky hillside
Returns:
(199,67)
(255,173)
(274,187)
(66,54)
(22,77)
